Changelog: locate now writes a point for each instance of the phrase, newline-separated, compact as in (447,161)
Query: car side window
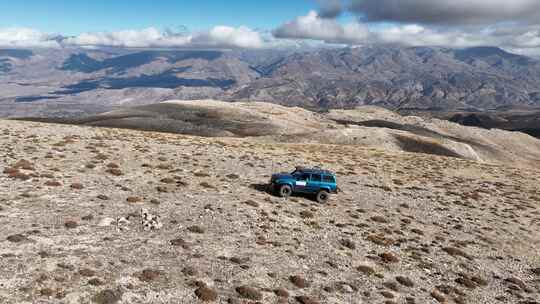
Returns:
(304,177)
(316,178)
(329,179)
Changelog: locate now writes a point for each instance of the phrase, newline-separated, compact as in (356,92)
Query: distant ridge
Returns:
(74,82)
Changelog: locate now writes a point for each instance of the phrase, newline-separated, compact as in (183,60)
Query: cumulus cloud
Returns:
(524,39)
(313,26)
(24,37)
(225,36)
(218,37)
(447,11)
(150,37)
(417,35)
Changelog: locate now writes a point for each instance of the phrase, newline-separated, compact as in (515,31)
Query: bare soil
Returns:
(407,228)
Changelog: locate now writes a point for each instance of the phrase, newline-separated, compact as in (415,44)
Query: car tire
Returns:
(285,191)
(323,196)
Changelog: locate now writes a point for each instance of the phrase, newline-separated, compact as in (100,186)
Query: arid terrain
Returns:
(366,126)
(407,227)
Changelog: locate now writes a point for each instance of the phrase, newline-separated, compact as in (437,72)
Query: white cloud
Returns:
(17,37)
(312,26)
(225,36)
(417,35)
(150,37)
(524,39)
(219,37)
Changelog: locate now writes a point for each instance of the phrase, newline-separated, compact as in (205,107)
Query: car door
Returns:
(314,183)
(329,182)
(301,183)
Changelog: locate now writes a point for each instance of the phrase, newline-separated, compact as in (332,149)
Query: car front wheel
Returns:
(323,196)
(285,191)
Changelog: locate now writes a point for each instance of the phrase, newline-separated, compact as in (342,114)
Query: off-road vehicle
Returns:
(315,181)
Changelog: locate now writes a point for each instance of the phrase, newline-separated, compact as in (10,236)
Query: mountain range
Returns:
(71,82)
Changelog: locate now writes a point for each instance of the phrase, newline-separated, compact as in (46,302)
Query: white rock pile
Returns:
(150,221)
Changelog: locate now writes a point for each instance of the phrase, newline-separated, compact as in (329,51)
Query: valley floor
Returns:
(407,228)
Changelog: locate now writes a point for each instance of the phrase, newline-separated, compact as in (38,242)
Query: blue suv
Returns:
(307,181)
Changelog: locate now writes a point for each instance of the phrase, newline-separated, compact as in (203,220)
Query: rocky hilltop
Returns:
(100,215)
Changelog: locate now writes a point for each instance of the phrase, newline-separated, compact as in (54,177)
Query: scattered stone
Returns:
(252,203)
(405,281)
(77,186)
(479,281)
(517,282)
(196,229)
(88,217)
(134,199)
(281,292)
(96,282)
(306,300)
(380,239)
(107,296)
(379,219)
(168,180)
(387,294)
(17,238)
(389,257)
(348,243)
(115,172)
(180,242)
(106,221)
(299,281)
(466,281)
(53,183)
(365,270)
(71,224)
(85,272)
(149,275)
(206,294)
(46,292)
(306,214)
(163,189)
(249,293)
(190,271)
(456,252)
(438,296)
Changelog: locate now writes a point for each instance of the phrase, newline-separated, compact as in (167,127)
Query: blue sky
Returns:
(74,16)
(513,25)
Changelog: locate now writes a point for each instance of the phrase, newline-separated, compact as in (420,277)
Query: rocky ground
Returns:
(407,228)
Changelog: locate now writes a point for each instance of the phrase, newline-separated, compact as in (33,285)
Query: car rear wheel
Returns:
(285,191)
(323,196)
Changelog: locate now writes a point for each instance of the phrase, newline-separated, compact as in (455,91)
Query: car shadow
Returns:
(265,189)
(260,187)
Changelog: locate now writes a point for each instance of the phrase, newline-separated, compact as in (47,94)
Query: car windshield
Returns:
(296,172)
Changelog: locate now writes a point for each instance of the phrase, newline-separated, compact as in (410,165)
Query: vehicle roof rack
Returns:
(313,170)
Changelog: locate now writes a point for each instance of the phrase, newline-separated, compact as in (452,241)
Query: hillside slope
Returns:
(407,227)
(363,126)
